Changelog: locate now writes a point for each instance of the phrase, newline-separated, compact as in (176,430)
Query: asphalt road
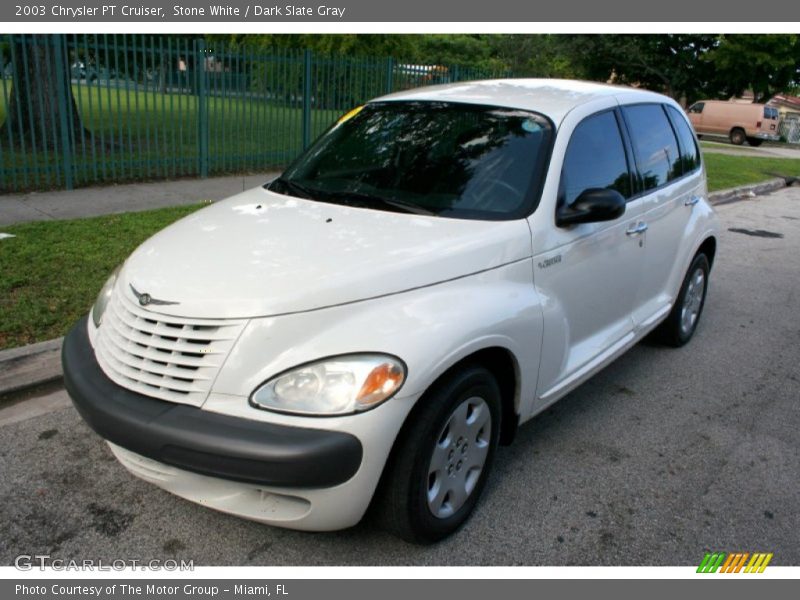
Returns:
(665,454)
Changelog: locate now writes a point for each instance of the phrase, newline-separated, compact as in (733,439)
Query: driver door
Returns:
(588,274)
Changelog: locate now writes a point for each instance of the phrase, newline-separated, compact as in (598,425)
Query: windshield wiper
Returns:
(294,188)
(350,197)
(300,190)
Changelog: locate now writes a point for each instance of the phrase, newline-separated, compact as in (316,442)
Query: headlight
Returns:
(334,386)
(103,297)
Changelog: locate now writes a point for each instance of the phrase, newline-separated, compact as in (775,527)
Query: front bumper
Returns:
(203,442)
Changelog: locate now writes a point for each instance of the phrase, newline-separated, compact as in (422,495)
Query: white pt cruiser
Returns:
(439,267)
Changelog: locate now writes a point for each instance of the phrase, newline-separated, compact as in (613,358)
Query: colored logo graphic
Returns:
(734,562)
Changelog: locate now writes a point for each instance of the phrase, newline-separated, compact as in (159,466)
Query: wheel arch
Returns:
(709,248)
(504,366)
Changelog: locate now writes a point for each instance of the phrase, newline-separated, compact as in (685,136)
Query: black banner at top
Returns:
(441,11)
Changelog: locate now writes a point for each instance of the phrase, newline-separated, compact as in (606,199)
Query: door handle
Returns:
(640,227)
(692,201)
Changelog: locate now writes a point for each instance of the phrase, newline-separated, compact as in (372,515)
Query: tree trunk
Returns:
(35,108)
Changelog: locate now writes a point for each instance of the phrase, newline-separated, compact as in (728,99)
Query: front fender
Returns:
(430,329)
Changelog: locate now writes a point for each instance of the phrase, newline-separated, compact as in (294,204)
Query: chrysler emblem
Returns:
(144,298)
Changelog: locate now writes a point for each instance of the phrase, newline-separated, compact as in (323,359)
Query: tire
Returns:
(754,142)
(420,502)
(679,327)
(737,136)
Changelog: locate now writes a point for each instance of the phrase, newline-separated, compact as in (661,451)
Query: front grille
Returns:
(164,357)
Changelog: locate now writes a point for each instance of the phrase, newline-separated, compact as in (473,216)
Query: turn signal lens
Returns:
(383,381)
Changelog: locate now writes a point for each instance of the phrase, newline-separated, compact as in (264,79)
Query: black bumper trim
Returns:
(204,442)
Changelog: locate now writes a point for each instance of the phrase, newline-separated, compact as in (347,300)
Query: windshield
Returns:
(446,159)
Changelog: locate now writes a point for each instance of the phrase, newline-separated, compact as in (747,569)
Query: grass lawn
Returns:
(727,171)
(53,270)
(143,135)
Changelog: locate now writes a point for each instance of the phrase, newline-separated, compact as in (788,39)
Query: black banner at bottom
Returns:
(392,589)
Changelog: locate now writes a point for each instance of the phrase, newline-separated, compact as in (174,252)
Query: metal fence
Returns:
(790,130)
(80,109)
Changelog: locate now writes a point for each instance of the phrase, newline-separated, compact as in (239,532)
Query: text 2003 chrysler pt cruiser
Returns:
(440,266)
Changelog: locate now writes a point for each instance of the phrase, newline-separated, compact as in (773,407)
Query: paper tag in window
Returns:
(350,115)
(530,126)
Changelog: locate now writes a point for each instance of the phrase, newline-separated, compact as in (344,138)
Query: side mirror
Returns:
(592,206)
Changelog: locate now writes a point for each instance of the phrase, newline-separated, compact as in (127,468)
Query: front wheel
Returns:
(680,325)
(442,459)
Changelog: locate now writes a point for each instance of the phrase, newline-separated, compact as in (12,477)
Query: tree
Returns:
(674,64)
(350,45)
(766,64)
(36,105)
(539,55)
(452,49)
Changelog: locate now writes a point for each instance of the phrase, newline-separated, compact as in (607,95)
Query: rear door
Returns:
(769,123)
(671,183)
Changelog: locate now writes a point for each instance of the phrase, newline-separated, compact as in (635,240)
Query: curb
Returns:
(29,366)
(747,191)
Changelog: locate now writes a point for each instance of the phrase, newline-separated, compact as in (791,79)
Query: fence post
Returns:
(64,100)
(306,99)
(389,75)
(202,107)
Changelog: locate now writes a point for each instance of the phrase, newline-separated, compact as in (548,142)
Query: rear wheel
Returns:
(680,325)
(755,142)
(443,457)
(737,136)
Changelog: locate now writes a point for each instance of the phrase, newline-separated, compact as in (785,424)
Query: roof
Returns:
(553,98)
(786,100)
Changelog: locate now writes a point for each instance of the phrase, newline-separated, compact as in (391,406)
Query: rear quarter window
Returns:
(689,153)
(658,159)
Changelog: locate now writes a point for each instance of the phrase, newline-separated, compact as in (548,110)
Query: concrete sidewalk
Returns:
(133,197)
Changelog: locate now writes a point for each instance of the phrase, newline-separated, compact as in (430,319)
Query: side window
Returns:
(654,144)
(595,159)
(690,156)
(697,107)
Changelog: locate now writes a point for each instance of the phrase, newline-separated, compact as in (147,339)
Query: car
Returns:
(738,121)
(363,331)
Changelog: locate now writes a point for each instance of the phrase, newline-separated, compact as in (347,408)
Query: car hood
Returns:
(263,254)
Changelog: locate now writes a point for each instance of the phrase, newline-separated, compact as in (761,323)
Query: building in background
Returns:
(789,109)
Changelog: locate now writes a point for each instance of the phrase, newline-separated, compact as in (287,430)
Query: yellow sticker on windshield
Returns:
(350,115)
